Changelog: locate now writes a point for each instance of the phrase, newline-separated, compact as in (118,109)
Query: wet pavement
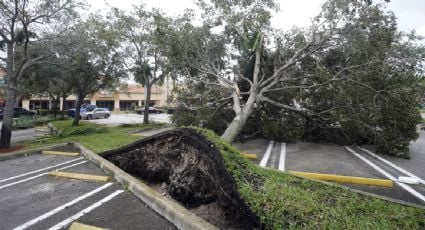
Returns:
(31,199)
(334,159)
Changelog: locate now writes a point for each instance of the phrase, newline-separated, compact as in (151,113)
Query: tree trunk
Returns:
(11,85)
(64,96)
(238,122)
(55,102)
(242,115)
(78,103)
(147,102)
(6,128)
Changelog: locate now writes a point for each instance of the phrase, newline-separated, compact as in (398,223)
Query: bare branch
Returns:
(226,101)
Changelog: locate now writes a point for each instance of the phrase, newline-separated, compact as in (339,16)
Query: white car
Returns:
(95,113)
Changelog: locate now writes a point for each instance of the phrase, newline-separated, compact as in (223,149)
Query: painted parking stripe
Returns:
(266,156)
(60,208)
(85,211)
(37,176)
(282,157)
(39,170)
(389,176)
(393,165)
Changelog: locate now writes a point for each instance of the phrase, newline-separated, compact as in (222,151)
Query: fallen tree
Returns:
(351,69)
(198,169)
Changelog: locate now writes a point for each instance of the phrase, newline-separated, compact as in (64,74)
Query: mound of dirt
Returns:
(191,170)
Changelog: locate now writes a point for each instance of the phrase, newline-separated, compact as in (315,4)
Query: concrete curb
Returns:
(24,153)
(172,211)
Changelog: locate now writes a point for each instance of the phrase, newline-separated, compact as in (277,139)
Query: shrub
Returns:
(26,122)
(43,112)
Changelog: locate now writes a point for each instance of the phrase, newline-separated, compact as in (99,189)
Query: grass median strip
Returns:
(345,179)
(68,154)
(80,176)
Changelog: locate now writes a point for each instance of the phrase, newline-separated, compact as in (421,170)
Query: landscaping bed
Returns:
(98,138)
(212,179)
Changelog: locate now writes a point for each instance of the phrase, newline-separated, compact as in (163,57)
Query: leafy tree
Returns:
(21,20)
(93,62)
(144,34)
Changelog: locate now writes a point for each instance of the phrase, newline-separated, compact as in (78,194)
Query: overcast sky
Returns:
(410,13)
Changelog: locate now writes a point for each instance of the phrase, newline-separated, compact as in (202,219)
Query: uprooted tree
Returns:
(351,70)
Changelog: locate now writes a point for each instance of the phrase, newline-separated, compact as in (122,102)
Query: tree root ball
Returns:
(193,171)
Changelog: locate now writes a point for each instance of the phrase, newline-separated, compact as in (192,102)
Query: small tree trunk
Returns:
(78,103)
(6,128)
(147,102)
(55,105)
(64,96)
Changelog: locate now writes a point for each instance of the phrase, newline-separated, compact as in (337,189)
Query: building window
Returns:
(127,105)
(105,104)
(39,104)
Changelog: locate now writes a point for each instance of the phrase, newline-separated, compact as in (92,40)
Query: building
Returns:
(124,98)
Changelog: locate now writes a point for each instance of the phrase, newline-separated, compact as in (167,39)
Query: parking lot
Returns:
(358,162)
(119,119)
(32,199)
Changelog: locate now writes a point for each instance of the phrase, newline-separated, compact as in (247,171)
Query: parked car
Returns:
(84,107)
(89,114)
(18,112)
(151,110)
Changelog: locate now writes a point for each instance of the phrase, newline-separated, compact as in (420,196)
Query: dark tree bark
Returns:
(6,128)
(78,103)
(147,102)
(64,96)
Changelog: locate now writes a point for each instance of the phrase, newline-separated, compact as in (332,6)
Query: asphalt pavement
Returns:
(31,199)
(120,118)
(334,159)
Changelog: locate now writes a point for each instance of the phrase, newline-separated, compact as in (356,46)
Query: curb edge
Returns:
(172,211)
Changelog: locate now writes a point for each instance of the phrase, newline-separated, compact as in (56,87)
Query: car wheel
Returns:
(107,116)
(89,117)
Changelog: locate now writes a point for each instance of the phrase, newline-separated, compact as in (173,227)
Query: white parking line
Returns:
(39,170)
(282,157)
(37,176)
(60,208)
(389,176)
(85,211)
(266,156)
(393,165)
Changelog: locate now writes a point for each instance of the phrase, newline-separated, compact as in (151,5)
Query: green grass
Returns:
(95,137)
(283,201)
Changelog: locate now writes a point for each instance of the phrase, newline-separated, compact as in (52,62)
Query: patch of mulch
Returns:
(12,149)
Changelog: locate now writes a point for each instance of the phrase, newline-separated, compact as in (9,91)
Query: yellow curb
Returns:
(345,179)
(78,226)
(80,176)
(69,154)
(250,156)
